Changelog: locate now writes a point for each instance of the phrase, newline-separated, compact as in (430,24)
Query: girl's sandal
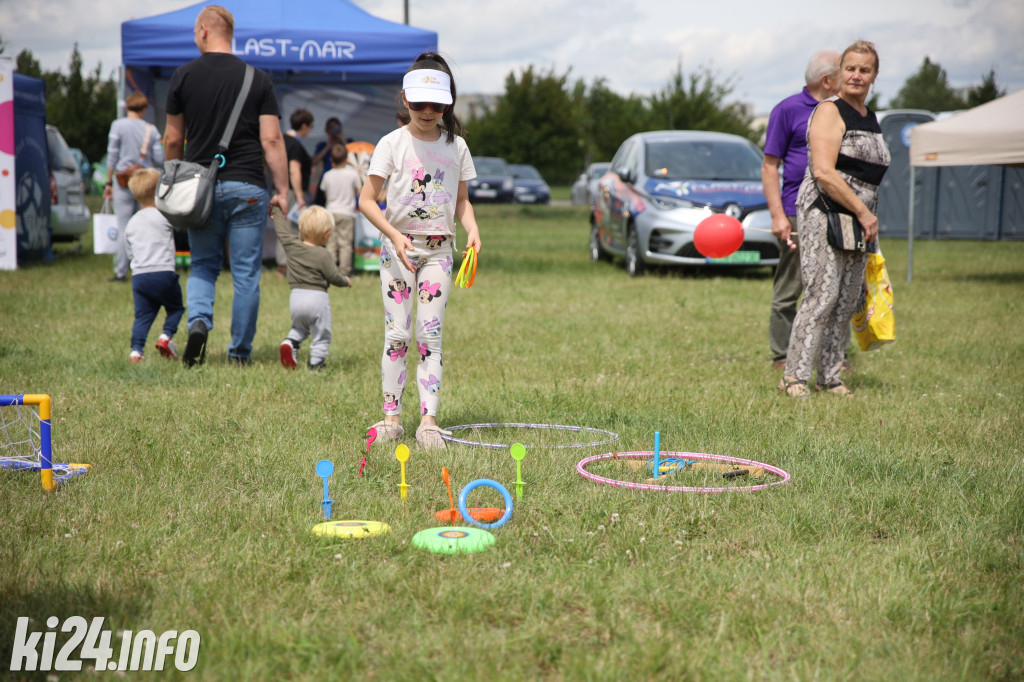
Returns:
(794,388)
(430,437)
(388,430)
(835,389)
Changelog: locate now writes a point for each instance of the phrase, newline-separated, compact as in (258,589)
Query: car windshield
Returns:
(598,170)
(702,160)
(488,166)
(526,172)
(60,153)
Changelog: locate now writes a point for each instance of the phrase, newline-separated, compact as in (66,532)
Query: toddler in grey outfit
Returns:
(149,246)
(311,269)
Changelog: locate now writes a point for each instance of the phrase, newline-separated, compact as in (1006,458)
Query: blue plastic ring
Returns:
(222,160)
(463,509)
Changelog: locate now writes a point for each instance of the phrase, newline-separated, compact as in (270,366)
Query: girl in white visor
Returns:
(426,165)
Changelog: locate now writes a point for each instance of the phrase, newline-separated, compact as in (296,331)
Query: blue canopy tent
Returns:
(330,57)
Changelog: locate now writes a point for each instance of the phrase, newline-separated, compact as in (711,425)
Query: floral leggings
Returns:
(430,285)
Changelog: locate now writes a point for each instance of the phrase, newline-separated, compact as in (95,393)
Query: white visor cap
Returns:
(427,85)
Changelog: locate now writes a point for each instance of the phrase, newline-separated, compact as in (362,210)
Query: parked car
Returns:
(585,187)
(530,187)
(662,184)
(84,167)
(70,218)
(493,181)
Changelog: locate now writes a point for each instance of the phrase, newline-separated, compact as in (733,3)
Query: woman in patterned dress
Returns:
(847,160)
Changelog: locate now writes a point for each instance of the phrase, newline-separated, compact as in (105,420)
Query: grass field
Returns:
(896,551)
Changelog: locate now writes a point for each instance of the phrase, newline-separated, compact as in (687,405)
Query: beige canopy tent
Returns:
(990,134)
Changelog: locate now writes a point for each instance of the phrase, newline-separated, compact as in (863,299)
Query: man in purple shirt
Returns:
(786,143)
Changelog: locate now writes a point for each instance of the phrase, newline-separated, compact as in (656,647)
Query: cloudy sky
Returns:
(761,46)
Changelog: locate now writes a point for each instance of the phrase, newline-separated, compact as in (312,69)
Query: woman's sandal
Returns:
(835,389)
(794,388)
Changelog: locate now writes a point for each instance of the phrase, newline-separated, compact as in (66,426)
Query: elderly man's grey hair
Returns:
(823,63)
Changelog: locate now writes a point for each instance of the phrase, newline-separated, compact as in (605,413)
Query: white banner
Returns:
(8,199)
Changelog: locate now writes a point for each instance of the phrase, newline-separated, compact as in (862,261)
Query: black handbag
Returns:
(185,193)
(844,231)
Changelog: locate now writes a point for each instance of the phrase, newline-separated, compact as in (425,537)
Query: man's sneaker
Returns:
(317,366)
(195,349)
(289,354)
(239,361)
(135,357)
(166,347)
(429,437)
(388,431)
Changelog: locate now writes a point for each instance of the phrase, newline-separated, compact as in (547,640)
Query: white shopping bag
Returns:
(104,230)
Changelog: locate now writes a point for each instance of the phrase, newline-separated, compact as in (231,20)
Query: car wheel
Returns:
(634,262)
(597,253)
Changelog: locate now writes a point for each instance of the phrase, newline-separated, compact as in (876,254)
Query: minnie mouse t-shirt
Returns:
(423,180)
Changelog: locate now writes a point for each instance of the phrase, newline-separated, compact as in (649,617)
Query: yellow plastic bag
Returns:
(873,323)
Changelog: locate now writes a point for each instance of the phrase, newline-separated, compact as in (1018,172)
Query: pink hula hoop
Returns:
(581,468)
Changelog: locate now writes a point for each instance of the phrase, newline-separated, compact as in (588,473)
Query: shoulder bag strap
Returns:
(229,130)
(829,205)
(822,202)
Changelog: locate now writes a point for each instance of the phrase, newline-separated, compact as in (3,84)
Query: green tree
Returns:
(986,92)
(928,89)
(531,123)
(539,120)
(26,64)
(696,102)
(604,119)
(81,106)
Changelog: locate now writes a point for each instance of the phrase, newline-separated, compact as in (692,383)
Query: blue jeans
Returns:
(153,290)
(238,217)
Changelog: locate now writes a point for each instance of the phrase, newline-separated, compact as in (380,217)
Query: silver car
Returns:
(661,185)
(70,218)
(585,187)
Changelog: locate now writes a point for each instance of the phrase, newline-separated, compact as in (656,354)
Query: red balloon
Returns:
(718,236)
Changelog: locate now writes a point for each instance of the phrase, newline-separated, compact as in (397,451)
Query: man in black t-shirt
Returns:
(200,98)
(300,167)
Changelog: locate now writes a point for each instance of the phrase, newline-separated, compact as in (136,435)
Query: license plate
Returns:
(743,257)
(487,193)
(527,198)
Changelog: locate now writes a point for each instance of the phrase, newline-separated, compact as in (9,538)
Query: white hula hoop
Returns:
(581,468)
(612,436)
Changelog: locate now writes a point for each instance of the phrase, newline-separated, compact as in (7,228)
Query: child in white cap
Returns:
(426,165)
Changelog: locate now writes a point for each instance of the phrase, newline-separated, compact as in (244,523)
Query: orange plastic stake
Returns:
(448,484)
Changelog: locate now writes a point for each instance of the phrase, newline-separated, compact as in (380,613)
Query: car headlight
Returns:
(508,184)
(667,204)
(758,220)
